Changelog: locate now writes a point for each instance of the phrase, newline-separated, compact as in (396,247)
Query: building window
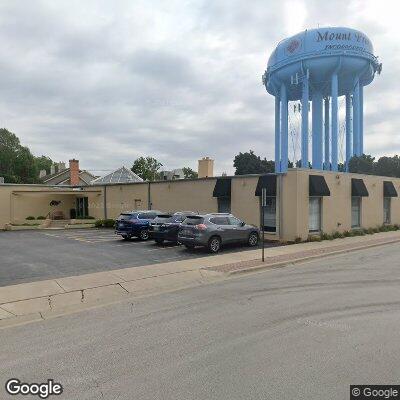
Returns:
(355,212)
(386,210)
(269,214)
(224,204)
(314,214)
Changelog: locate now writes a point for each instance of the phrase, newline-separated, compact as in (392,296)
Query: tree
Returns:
(147,168)
(17,164)
(362,164)
(388,166)
(43,162)
(249,163)
(189,173)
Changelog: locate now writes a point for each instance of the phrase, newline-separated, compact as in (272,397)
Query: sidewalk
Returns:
(47,299)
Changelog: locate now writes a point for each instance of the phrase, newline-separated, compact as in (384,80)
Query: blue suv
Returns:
(135,224)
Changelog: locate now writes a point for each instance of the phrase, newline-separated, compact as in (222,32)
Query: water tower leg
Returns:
(361,120)
(356,118)
(277,134)
(348,130)
(327,165)
(317,130)
(304,124)
(334,92)
(284,129)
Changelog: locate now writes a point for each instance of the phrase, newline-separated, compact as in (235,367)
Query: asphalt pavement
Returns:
(306,331)
(27,256)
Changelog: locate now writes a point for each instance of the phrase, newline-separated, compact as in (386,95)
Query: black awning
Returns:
(268,182)
(317,186)
(358,188)
(222,187)
(389,190)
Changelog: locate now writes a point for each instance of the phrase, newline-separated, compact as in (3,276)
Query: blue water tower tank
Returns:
(319,65)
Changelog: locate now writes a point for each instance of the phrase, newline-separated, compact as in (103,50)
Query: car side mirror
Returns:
(242,223)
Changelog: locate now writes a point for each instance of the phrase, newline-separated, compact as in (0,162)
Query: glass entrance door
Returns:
(82,207)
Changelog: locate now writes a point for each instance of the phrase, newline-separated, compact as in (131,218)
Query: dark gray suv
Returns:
(214,230)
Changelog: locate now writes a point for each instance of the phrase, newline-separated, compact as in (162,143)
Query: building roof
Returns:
(63,177)
(121,175)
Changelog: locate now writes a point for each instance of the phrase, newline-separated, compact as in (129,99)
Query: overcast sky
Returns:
(108,81)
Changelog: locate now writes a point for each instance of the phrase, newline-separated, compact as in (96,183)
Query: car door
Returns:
(223,228)
(239,231)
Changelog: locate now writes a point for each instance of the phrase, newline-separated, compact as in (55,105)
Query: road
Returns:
(27,256)
(301,332)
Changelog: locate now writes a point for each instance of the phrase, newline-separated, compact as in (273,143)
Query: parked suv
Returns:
(214,230)
(166,226)
(135,223)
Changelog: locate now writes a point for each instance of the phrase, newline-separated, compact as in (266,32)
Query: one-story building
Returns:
(298,203)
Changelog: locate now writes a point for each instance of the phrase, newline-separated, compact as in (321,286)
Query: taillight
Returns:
(201,227)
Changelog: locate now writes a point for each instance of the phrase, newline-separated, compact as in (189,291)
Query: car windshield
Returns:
(193,220)
(126,217)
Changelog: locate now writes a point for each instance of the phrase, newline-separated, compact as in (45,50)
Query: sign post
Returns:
(263,204)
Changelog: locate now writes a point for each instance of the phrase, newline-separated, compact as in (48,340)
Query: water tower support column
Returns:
(317,147)
(348,130)
(284,129)
(356,118)
(327,141)
(277,134)
(304,123)
(334,93)
(361,120)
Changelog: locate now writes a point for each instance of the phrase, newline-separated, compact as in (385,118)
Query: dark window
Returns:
(386,210)
(220,220)
(224,204)
(147,215)
(126,217)
(355,212)
(178,218)
(269,183)
(193,220)
(164,218)
(234,221)
(270,214)
(318,186)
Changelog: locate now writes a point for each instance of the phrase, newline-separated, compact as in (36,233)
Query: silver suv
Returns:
(214,230)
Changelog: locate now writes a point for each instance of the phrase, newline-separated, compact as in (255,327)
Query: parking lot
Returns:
(27,256)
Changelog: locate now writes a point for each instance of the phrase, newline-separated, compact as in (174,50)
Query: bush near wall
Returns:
(354,232)
(104,223)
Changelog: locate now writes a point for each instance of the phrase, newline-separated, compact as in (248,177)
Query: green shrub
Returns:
(314,238)
(297,239)
(109,223)
(337,235)
(396,227)
(376,230)
(87,217)
(104,223)
(41,217)
(30,218)
(346,233)
(370,231)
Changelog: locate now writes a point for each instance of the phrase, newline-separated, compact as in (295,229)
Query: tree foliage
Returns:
(147,168)
(250,163)
(366,164)
(17,164)
(189,173)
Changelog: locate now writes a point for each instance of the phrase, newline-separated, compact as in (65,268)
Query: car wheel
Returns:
(144,234)
(159,241)
(253,239)
(214,244)
(189,246)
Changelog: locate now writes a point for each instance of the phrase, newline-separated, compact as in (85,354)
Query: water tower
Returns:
(318,66)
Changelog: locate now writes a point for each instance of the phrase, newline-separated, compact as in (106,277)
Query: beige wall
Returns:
(197,195)
(336,208)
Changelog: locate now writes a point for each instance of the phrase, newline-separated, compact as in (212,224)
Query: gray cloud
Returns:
(109,81)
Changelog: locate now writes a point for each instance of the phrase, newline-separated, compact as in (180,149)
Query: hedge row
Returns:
(104,223)
(354,232)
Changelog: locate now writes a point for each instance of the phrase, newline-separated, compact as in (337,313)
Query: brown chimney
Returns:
(74,172)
